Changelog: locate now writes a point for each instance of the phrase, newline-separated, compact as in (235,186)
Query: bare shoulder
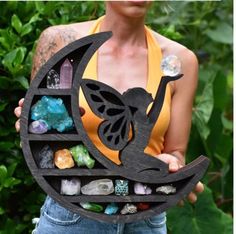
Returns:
(54,38)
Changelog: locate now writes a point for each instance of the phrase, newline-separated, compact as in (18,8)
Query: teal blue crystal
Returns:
(81,156)
(111,209)
(53,112)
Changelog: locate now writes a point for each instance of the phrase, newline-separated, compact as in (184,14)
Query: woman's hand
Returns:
(18,110)
(174,165)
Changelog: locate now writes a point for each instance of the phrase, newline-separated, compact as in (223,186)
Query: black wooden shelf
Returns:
(54,137)
(54,92)
(115,198)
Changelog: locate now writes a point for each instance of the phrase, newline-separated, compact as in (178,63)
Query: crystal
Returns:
(129,209)
(171,65)
(38,127)
(143,206)
(111,209)
(142,189)
(45,157)
(81,156)
(122,187)
(66,73)
(63,159)
(166,189)
(53,80)
(53,112)
(91,206)
(98,187)
(70,187)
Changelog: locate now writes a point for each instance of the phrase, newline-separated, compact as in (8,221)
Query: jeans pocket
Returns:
(157,221)
(56,214)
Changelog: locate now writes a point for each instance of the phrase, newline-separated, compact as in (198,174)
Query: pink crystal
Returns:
(66,73)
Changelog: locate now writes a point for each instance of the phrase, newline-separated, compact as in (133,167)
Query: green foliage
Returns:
(204,27)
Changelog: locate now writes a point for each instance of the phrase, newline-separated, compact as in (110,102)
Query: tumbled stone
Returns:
(53,112)
(92,206)
(143,206)
(66,72)
(63,159)
(129,209)
(166,189)
(81,156)
(70,187)
(53,80)
(45,157)
(171,65)
(111,209)
(38,127)
(98,187)
(122,187)
(142,189)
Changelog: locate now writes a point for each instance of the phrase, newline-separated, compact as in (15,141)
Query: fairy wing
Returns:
(109,105)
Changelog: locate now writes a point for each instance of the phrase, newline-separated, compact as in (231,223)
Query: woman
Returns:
(128,55)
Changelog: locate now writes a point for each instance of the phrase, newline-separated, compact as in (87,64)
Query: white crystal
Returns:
(129,209)
(166,189)
(70,187)
(171,65)
(98,187)
(142,189)
(53,80)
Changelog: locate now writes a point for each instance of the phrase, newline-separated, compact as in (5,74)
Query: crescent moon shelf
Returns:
(120,112)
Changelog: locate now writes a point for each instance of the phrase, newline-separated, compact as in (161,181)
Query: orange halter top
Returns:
(91,121)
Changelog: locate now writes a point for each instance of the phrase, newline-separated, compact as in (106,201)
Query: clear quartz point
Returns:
(66,72)
(171,65)
(53,80)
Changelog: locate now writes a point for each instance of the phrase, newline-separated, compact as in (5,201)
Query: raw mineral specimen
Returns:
(53,80)
(63,159)
(70,187)
(53,112)
(45,157)
(142,189)
(111,209)
(38,127)
(91,206)
(98,187)
(81,156)
(66,73)
(122,187)
(171,65)
(129,209)
(166,189)
(143,206)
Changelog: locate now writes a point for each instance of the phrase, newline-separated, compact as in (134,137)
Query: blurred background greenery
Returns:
(204,27)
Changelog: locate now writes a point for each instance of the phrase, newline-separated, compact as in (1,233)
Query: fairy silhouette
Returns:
(122,112)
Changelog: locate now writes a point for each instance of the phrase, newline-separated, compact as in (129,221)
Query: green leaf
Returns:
(6,145)
(3,173)
(200,218)
(222,33)
(2,211)
(23,81)
(26,29)
(16,23)
(11,169)
(2,106)
(10,182)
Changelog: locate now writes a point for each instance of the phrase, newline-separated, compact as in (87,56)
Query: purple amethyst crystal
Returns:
(38,127)
(66,73)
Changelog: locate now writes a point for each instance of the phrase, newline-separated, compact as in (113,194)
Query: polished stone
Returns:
(53,112)
(142,189)
(98,187)
(143,206)
(38,127)
(81,156)
(92,206)
(70,187)
(111,209)
(45,157)
(122,187)
(63,159)
(171,65)
(129,209)
(166,189)
(66,73)
(53,80)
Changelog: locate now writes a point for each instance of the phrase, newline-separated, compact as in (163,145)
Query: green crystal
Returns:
(81,156)
(92,206)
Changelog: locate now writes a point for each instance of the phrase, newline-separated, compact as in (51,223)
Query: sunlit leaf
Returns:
(16,23)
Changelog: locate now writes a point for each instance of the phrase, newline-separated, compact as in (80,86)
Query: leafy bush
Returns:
(204,27)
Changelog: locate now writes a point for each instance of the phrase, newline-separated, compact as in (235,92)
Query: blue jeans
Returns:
(55,219)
